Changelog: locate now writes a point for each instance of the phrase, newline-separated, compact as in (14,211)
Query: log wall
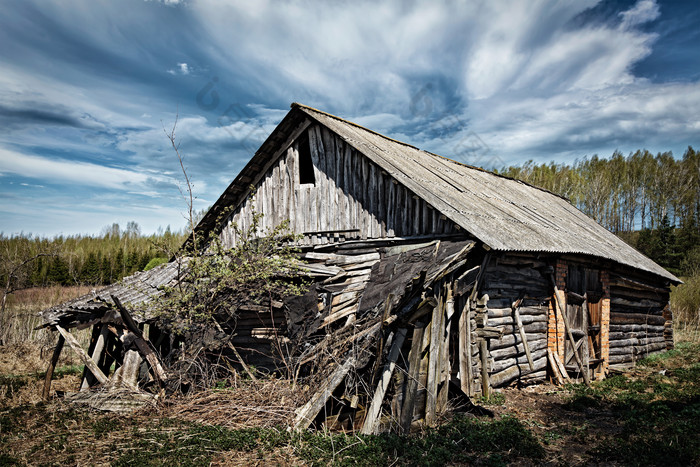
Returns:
(350,198)
(638,326)
(513,282)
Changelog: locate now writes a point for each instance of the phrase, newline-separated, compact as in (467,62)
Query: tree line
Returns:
(83,259)
(651,201)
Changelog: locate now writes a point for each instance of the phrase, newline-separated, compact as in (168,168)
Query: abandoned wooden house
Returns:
(432,280)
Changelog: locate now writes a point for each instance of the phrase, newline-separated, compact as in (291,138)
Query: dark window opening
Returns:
(306,166)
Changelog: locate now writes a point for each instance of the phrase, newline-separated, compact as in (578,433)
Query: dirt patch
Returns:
(566,435)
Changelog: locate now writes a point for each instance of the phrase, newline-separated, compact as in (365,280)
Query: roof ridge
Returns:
(480,169)
(296,104)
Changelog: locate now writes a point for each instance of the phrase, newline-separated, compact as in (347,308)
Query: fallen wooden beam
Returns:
(370,425)
(89,362)
(307,413)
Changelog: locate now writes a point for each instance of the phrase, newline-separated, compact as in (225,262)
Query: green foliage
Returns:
(685,301)
(495,398)
(659,410)
(157,261)
(261,267)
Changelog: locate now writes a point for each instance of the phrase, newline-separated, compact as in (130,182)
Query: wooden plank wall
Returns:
(352,198)
(637,321)
(506,279)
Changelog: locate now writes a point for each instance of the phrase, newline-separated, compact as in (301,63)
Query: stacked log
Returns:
(638,325)
(517,309)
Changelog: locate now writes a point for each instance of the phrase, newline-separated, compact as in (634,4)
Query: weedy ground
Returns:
(647,416)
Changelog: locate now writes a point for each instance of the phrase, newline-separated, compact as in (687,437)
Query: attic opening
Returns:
(306,165)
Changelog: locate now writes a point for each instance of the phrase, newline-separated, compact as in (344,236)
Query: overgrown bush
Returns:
(685,302)
(202,309)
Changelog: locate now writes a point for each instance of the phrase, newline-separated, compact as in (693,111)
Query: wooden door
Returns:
(583,310)
(578,323)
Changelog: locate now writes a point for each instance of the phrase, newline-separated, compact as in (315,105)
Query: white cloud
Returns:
(642,12)
(73,172)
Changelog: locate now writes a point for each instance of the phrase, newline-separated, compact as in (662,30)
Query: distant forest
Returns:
(650,201)
(81,259)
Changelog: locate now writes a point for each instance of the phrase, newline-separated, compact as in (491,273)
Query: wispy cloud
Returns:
(85,106)
(71,172)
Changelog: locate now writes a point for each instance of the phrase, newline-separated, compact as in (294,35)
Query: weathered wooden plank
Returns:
(555,368)
(342,313)
(444,368)
(89,362)
(465,354)
(46,392)
(370,425)
(436,333)
(414,359)
(306,414)
(97,352)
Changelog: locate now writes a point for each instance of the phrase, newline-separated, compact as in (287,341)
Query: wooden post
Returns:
(370,425)
(52,366)
(586,350)
(89,362)
(444,366)
(586,379)
(483,354)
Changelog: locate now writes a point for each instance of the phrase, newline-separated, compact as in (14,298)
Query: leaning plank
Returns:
(52,367)
(97,352)
(152,359)
(436,334)
(307,414)
(521,330)
(414,359)
(555,368)
(465,355)
(89,362)
(560,366)
(370,425)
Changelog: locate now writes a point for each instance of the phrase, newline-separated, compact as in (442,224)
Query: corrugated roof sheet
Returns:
(137,289)
(506,214)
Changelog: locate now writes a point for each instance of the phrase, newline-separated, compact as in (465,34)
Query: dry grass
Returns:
(265,403)
(22,311)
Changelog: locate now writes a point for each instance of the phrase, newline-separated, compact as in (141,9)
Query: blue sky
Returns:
(86,88)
